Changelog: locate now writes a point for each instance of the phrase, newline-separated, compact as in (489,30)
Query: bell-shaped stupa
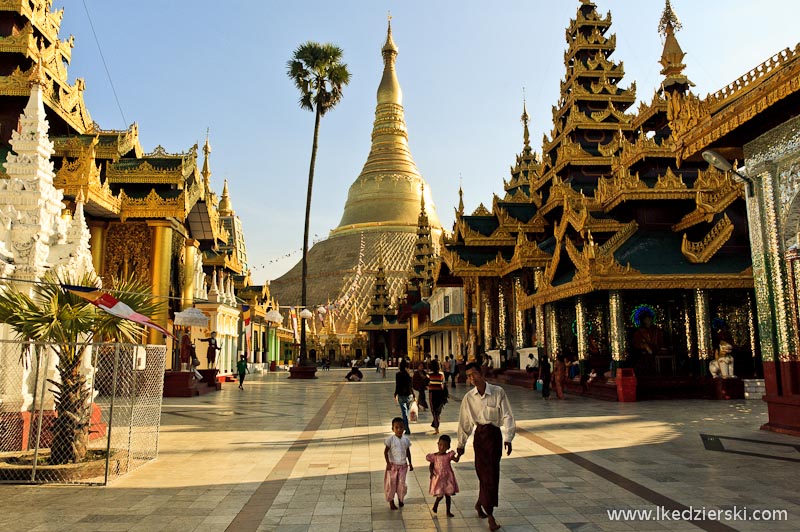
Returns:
(380,219)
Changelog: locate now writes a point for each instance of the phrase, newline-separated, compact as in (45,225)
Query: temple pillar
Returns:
(773,213)
(541,339)
(502,317)
(688,322)
(160,266)
(554,347)
(519,315)
(580,326)
(702,314)
(617,326)
(190,253)
(97,244)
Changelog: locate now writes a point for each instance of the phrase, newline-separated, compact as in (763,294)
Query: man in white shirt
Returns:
(485,408)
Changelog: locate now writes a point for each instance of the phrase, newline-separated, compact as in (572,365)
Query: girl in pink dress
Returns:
(443,479)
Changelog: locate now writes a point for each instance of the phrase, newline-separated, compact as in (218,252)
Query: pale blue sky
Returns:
(181,66)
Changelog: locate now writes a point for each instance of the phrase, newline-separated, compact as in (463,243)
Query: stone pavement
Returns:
(290,455)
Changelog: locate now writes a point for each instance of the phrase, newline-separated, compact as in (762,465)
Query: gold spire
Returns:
(460,211)
(672,55)
(389,90)
(526,136)
(206,172)
(386,194)
(225,205)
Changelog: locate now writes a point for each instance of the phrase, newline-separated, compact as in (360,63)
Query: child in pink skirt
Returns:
(398,463)
(443,479)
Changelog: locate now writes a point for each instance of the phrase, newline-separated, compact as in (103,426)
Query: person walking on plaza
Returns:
(453,367)
(398,463)
(544,376)
(420,383)
(560,376)
(213,347)
(437,388)
(403,393)
(485,409)
(383,365)
(241,367)
(443,479)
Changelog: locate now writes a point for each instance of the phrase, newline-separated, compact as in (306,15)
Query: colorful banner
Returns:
(113,306)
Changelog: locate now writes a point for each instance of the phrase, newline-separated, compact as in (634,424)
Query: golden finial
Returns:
(422,198)
(668,18)
(525,133)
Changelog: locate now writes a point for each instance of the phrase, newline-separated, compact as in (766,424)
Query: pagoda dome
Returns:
(387,192)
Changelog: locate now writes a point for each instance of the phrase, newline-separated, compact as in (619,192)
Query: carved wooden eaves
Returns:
(701,252)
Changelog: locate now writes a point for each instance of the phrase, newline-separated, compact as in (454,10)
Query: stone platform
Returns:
(301,455)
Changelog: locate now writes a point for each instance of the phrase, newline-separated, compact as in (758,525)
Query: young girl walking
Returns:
(443,479)
(398,463)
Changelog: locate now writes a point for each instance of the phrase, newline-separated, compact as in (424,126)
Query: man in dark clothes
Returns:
(485,408)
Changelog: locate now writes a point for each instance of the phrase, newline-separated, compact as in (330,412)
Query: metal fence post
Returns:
(37,354)
(111,408)
(133,406)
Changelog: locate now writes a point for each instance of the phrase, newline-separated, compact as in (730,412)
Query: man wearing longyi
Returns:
(485,409)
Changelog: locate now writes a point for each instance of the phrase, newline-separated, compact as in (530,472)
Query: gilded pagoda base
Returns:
(783,405)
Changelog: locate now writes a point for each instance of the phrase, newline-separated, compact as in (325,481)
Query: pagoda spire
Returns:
(672,55)
(386,192)
(526,136)
(206,171)
(460,211)
(225,204)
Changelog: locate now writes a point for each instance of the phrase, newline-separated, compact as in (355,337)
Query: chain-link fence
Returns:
(78,413)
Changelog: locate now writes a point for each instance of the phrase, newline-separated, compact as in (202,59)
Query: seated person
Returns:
(532,364)
(354,375)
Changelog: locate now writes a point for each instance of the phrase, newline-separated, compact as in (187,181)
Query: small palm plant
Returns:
(319,74)
(70,324)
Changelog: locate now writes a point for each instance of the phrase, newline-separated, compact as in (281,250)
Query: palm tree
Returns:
(319,75)
(69,324)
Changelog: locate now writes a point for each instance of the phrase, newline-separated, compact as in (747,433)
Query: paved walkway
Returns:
(308,455)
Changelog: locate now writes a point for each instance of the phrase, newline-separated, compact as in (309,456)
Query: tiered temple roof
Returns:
(611,205)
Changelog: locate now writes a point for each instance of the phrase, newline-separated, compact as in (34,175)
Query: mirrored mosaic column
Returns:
(540,328)
(617,324)
(687,325)
(552,330)
(580,326)
(519,315)
(703,324)
(502,317)
(751,324)
(486,308)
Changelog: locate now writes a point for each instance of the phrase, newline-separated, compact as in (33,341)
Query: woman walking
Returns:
(438,393)
(420,382)
(403,393)
(560,376)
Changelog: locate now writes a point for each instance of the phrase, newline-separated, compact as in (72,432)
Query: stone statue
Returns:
(722,365)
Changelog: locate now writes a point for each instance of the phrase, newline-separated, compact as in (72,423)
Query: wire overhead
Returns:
(103,59)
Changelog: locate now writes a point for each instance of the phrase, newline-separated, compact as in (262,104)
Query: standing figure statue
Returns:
(213,347)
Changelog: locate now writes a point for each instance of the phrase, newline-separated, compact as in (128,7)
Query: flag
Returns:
(113,306)
(246,313)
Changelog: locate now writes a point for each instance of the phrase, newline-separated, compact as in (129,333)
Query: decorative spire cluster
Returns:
(672,55)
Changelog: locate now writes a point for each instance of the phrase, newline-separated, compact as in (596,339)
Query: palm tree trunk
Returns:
(303,297)
(71,426)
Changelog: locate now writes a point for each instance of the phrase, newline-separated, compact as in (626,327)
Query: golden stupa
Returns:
(379,222)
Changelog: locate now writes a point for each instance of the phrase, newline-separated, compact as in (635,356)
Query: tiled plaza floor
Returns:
(308,456)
